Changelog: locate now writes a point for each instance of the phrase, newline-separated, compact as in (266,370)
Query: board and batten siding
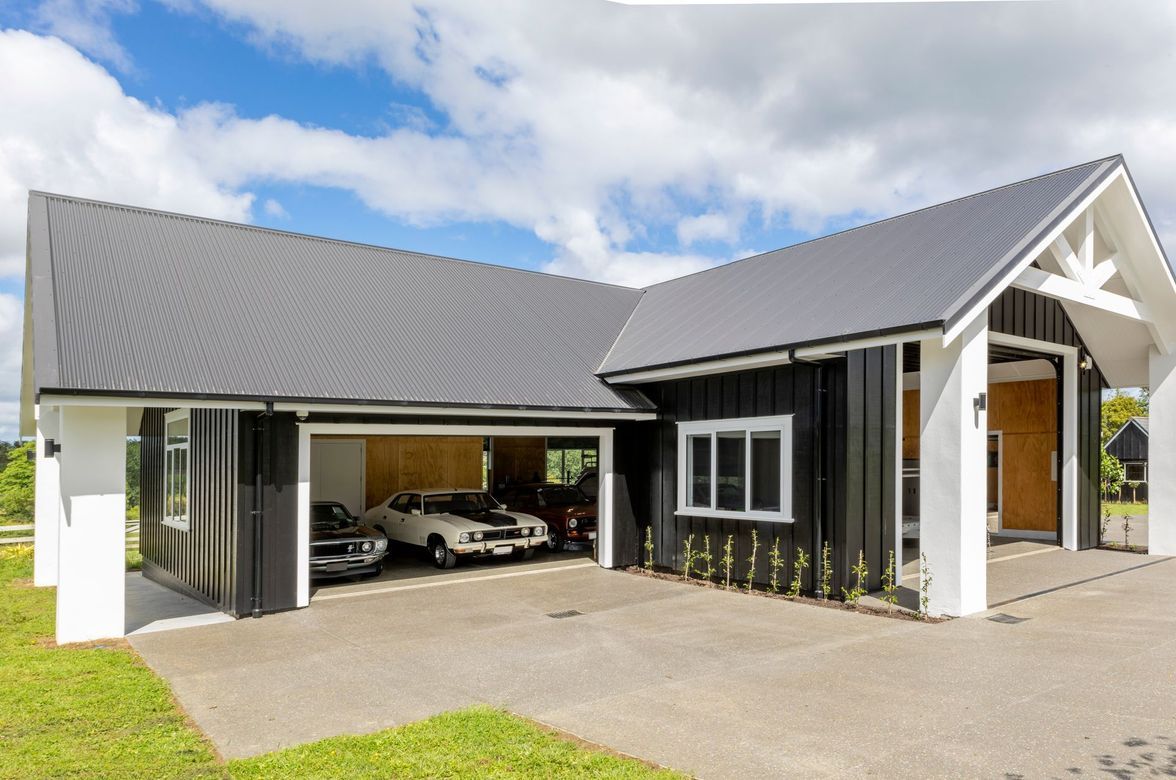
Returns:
(1027,314)
(201,561)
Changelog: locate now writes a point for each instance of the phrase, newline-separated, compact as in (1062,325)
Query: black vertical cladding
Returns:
(279,517)
(199,561)
(763,392)
(863,453)
(1026,314)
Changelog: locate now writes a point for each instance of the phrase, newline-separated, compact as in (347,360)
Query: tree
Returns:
(1120,408)
(133,461)
(1111,473)
(16,483)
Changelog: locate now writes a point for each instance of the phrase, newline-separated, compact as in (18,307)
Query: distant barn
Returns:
(1129,445)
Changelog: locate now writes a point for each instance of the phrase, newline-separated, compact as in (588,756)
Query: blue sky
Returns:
(622,144)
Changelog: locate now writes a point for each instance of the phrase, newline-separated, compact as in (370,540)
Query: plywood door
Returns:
(337,472)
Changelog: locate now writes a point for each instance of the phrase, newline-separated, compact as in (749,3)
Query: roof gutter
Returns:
(814,349)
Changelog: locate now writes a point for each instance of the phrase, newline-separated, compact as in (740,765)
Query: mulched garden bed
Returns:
(1138,549)
(898,613)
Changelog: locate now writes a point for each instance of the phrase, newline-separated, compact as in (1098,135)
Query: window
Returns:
(736,468)
(175,470)
(1135,472)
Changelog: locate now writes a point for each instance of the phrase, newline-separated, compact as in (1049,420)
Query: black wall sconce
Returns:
(52,448)
(1084,361)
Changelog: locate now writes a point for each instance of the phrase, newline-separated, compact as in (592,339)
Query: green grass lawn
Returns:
(98,711)
(1118,509)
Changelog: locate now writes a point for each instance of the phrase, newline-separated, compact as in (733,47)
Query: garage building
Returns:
(965,346)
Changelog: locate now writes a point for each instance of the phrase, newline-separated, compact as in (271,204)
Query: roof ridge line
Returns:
(313,237)
(894,217)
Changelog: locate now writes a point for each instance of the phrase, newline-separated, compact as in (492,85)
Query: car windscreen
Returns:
(459,503)
(329,517)
(564,495)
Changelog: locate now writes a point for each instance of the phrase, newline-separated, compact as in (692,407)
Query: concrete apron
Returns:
(715,683)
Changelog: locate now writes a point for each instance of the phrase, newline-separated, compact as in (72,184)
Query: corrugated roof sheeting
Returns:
(911,270)
(160,303)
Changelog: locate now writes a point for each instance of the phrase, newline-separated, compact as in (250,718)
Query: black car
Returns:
(340,546)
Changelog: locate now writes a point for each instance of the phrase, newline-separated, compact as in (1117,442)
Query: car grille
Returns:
(325,549)
(502,533)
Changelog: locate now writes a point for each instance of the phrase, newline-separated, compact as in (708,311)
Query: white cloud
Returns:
(86,24)
(712,226)
(11,319)
(273,208)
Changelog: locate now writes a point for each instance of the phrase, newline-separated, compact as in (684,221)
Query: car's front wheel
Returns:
(443,557)
(555,542)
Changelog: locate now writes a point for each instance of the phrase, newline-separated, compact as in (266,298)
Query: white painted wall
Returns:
(92,533)
(1161,453)
(337,469)
(953,484)
(47,501)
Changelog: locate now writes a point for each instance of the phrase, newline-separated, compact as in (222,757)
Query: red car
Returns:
(570,516)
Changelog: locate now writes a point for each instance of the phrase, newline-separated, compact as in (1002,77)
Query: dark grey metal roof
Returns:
(127,300)
(912,271)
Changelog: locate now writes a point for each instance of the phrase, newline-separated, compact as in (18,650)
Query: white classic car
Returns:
(456,522)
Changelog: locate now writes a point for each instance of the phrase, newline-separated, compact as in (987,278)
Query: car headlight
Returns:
(463,537)
(367,546)
(526,531)
(381,545)
(538,530)
(478,536)
(573,523)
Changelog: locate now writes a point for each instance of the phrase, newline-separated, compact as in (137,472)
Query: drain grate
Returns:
(567,613)
(1012,620)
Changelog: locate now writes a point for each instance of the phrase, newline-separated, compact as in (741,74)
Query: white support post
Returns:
(1161,466)
(303,578)
(92,543)
(47,501)
(952,483)
(1070,468)
(604,501)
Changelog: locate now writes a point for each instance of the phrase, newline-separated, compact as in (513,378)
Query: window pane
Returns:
(1135,472)
(177,432)
(182,483)
(766,463)
(732,477)
(698,467)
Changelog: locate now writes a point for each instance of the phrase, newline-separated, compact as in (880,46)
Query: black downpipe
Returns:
(819,481)
(259,460)
(818,455)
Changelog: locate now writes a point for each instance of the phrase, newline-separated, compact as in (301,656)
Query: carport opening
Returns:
(1023,496)
(417,491)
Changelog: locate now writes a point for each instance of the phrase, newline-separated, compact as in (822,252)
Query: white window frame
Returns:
(180,522)
(749,425)
(1142,464)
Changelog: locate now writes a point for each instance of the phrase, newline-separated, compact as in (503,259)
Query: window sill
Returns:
(179,525)
(759,517)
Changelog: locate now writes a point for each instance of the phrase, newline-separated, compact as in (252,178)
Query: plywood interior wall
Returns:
(1026,415)
(396,463)
(518,458)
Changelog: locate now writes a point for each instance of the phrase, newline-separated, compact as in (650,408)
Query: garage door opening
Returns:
(448,505)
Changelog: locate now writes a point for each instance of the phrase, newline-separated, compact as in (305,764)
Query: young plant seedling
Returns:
(890,584)
(863,574)
(826,572)
(705,556)
(1127,530)
(1106,522)
(649,548)
(924,588)
(775,564)
(727,561)
(688,556)
(798,566)
(751,560)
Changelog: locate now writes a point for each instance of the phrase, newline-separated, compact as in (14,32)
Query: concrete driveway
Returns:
(715,683)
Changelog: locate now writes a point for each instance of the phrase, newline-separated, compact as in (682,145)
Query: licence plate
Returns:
(591,534)
(334,567)
(504,550)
